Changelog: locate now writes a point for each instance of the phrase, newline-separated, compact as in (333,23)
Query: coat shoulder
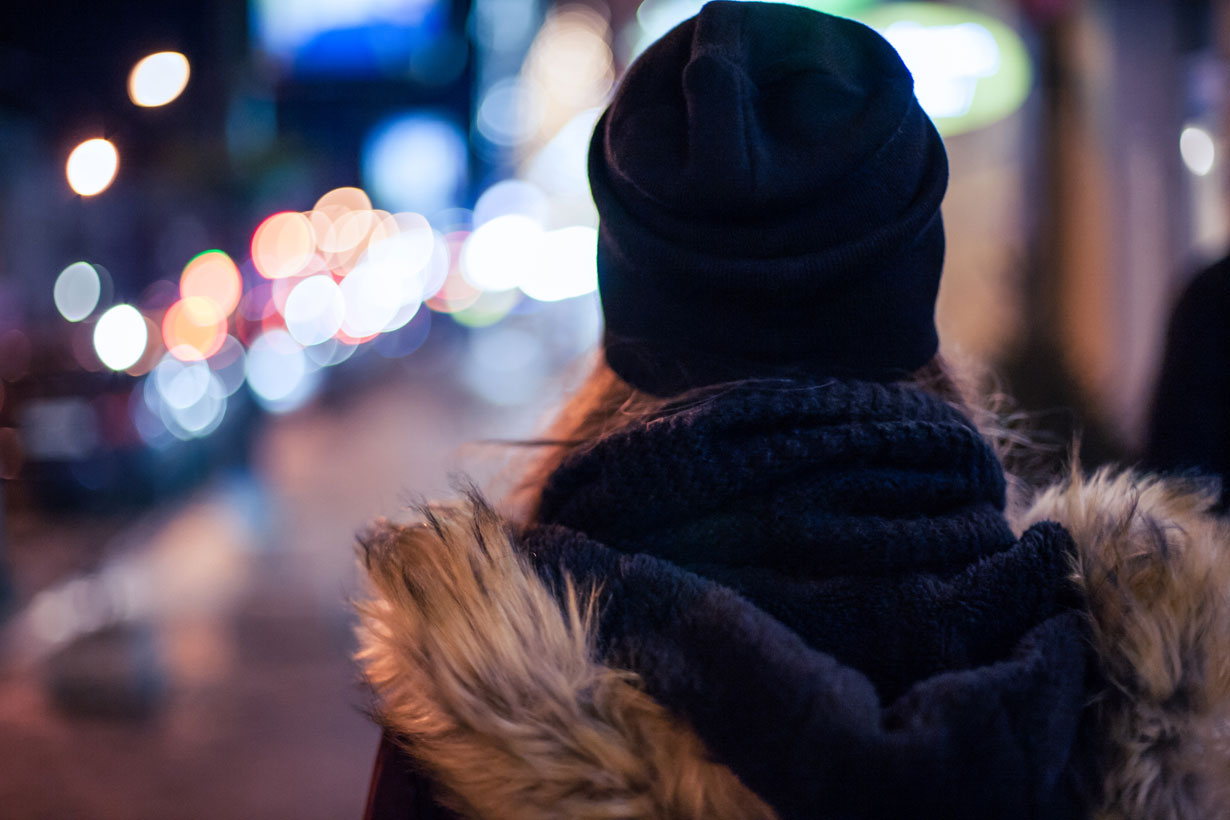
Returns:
(491,682)
(1154,566)
(490,679)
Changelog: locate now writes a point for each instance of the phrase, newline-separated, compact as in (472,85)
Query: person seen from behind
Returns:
(766,566)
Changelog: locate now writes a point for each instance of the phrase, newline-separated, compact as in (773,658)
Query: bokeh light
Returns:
(1198,150)
(188,398)
(120,337)
(567,266)
(947,61)
(341,200)
(283,245)
(490,308)
(969,68)
(656,17)
(212,276)
(372,295)
(329,352)
(77,290)
(571,59)
(512,196)
(454,295)
(315,310)
(154,349)
(193,328)
(559,170)
(91,166)
(279,374)
(502,253)
(158,79)
(179,383)
(510,112)
(346,239)
(201,417)
(416,162)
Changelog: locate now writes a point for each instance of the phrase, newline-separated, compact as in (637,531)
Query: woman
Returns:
(766,571)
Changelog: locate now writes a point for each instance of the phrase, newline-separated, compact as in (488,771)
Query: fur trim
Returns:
(1155,567)
(493,688)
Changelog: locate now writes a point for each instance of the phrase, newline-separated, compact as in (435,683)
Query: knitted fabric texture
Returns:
(768,190)
(818,578)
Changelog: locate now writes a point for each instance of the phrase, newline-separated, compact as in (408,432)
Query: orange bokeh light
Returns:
(341,200)
(347,232)
(193,329)
(283,244)
(214,276)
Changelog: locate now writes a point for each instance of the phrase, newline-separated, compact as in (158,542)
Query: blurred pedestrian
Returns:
(1190,426)
(764,567)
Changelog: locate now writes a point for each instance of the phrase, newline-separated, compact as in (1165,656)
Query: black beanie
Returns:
(768,191)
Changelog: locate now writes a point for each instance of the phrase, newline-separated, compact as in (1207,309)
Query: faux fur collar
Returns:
(495,688)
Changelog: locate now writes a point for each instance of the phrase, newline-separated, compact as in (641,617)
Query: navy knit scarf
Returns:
(819,578)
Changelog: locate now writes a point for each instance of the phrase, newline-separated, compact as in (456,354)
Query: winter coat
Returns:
(805,600)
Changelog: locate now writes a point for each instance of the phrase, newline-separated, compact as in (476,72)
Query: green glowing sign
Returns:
(656,17)
(970,70)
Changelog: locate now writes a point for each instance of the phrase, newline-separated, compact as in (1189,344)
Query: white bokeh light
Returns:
(392,270)
(203,416)
(372,295)
(77,290)
(567,265)
(315,310)
(1198,150)
(416,162)
(502,253)
(279,374)
(158,79)
(509,112)
(512,196)
(180,384)
(91,167)
(120,337)
(947,62)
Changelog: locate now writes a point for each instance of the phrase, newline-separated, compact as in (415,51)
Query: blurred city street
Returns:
(270,269)
(229,690)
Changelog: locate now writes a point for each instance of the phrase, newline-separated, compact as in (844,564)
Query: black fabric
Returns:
(1190,426)
(768,190)
(886,649)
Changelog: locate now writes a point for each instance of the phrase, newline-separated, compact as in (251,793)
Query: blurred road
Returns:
(196,662)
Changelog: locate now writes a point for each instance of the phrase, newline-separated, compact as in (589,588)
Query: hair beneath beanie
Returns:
(768,190)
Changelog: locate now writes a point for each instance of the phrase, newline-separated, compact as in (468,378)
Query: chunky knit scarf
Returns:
(819,578)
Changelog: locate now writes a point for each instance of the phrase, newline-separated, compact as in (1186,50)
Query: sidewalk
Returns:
(196,663)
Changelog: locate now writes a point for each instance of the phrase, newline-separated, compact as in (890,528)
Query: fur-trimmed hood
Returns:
(499,692)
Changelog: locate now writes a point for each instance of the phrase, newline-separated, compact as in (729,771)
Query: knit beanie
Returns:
(768,190)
